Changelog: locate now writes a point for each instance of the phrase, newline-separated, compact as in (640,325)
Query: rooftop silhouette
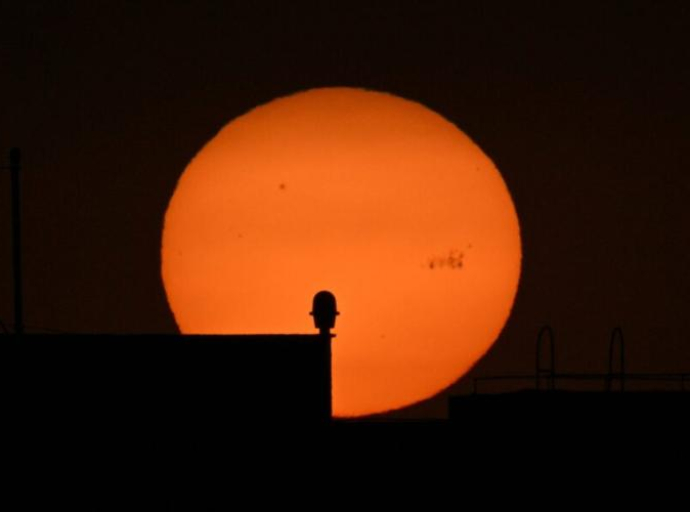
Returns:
(159,380)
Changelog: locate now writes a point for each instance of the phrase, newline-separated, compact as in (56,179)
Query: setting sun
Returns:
(373,197)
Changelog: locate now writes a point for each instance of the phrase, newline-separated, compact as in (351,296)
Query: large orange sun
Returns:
(373,197)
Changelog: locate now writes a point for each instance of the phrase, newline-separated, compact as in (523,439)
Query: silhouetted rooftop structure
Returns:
(547,399)
(163,380)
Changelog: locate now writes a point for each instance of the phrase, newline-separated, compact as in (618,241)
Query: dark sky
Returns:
(583,107)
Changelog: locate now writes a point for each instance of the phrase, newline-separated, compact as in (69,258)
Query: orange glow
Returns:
(373,197)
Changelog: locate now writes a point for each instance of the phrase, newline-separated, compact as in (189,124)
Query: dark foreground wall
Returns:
(166,383)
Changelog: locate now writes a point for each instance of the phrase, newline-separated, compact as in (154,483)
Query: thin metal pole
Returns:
(15,157)
(616,335)
(540,370)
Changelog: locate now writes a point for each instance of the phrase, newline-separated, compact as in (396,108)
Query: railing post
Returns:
(15,159)
(616,335)
(540,370)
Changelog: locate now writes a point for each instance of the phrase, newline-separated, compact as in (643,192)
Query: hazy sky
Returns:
(584,109)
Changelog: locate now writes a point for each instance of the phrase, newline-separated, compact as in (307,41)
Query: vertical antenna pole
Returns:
(15,157)
(540,369)
(616,336)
